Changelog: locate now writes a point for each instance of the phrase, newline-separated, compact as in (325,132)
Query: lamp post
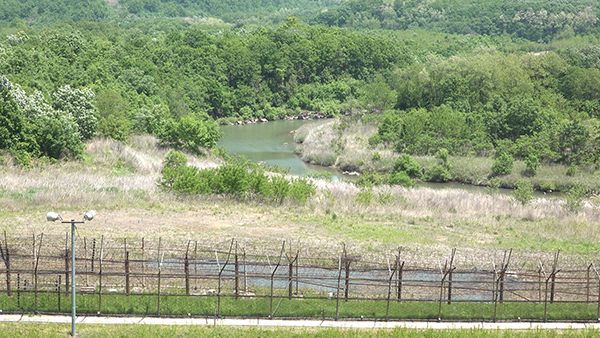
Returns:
(52,216)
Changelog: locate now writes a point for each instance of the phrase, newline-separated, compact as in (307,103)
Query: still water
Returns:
(271,142)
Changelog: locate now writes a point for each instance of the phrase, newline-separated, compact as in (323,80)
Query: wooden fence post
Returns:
(127,285)
(186,270)
(6,258)
(85,263)
(220,274)
(337,295)
(93,254)
(271,311)
(237,273)
(19,291)
(347,269)
(245,272)
(37,261)
(399,274)
(445,272)
(503,273)
(196,265)
(58,284)
(587,284)
(100,275)
(159,261)
(450,286)
(495,289)
(554,272)
(597,276)
(297,263)
(389,296)
(143,261)
(291,275)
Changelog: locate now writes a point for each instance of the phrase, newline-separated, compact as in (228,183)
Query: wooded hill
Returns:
(464,81)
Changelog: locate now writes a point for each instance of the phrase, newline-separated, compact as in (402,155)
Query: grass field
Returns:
(18,330)
(178,305)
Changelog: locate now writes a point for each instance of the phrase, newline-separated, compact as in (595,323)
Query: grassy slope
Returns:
(119,182)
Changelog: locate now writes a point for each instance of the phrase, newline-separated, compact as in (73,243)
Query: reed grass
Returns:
(345,145)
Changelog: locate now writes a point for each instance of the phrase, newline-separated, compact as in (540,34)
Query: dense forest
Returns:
(513,80)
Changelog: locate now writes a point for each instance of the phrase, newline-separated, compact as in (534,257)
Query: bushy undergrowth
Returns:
(238,178)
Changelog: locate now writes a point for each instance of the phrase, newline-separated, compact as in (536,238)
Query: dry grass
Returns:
(346,148)
(113,175)
(118,181)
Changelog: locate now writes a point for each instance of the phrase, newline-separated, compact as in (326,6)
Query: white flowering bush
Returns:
(78,103)
(55,131)
(5,83)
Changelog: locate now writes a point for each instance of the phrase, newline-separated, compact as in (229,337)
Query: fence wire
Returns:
(39,265)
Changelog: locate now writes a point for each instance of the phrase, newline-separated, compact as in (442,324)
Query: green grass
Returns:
(18,330)
(177,305)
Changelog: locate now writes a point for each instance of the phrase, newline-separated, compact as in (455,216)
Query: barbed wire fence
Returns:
(38,267)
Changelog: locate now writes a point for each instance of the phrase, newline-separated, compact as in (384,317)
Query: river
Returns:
(273,143)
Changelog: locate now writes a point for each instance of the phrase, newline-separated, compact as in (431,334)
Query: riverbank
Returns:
(304,115)
(119,182)
(344,143)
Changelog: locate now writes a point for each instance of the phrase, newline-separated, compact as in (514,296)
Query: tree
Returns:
(409,165)
(78,102)
(191,132)
(54,131)
(524,192)
(503,165)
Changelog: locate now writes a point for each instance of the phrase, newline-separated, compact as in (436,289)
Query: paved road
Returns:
(297,323)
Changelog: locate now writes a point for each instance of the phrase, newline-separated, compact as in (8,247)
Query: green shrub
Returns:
(259,184)
(532,162)
(571,170)
(400,178)
(376,156)
(524,192)
(438,173)
(280,188)
(24,159)
(409,165)
(548,186)
(371,178)
(365,196)
(301,190)
(190,132)
(574,198)
(175,158)
(231,179)
(503,165)
(185,180)
(442,156)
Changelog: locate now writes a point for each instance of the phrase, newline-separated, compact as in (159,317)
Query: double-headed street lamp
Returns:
(52,216)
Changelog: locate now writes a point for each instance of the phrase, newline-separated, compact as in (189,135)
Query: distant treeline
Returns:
(532,20)
(40,13)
